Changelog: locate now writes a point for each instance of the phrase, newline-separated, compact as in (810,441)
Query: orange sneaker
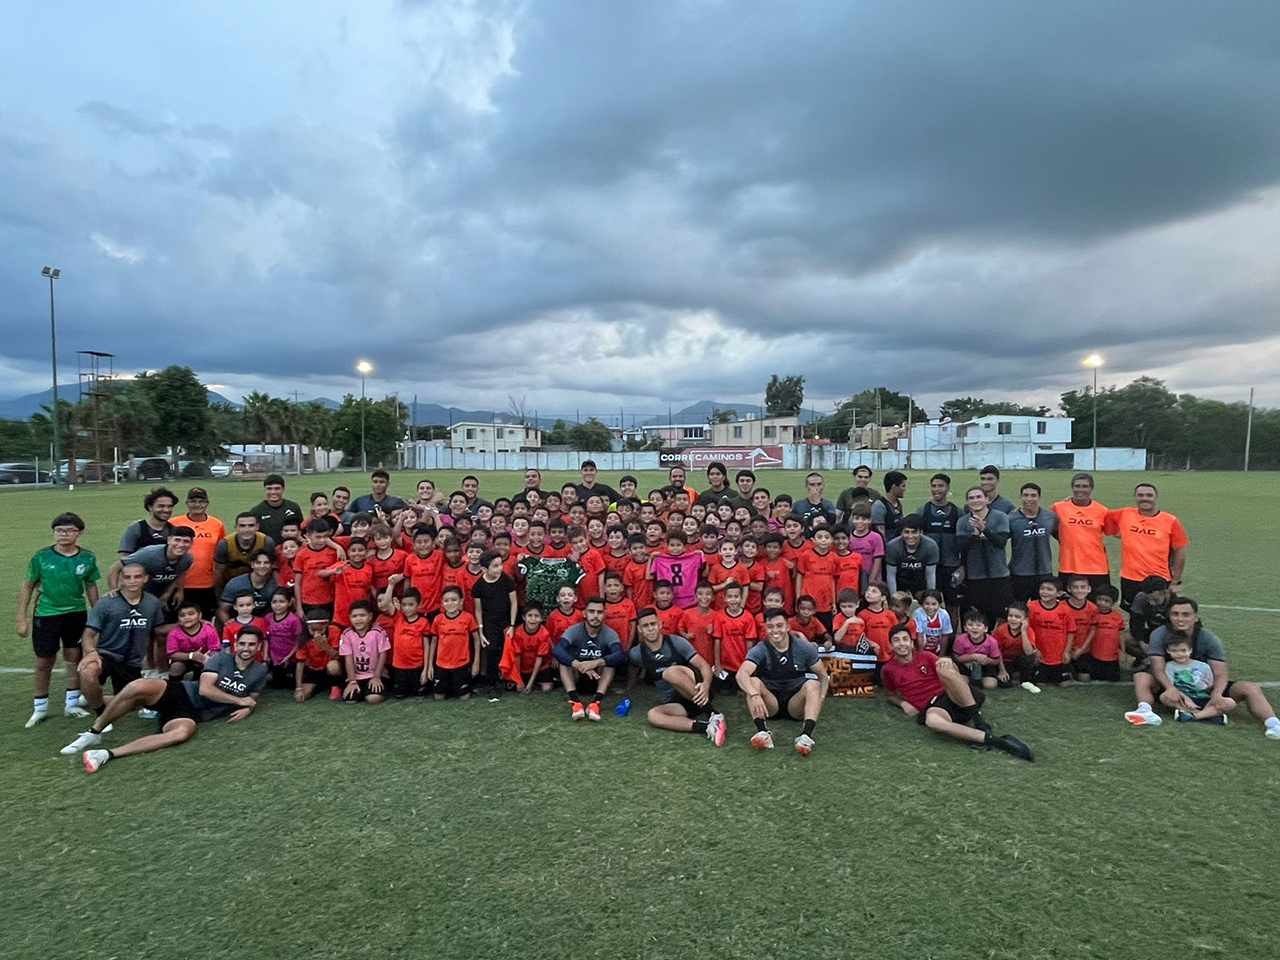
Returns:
(576,710)
(593,710)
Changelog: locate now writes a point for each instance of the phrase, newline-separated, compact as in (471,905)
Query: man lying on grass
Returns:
(938,695)
(783,677)
(681,677)
(229,684)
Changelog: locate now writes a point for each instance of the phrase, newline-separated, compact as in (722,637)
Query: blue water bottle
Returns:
(624,707)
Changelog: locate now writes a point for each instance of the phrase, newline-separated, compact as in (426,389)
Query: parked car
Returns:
(152,468)
(91,471)
(229,468)
(194,469)
(23,473)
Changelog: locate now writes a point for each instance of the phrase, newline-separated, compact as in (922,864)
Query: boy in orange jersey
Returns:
(619,612)
(751,575)
(847,628)
(734,632)
(422,570)
(877,618)
(807,624)
(664,605)
(635,573)
(816,573)
(564,614)
(409,642)
(318,554)
(1052,624)
(453,658)
(697,623)
(352,580)
(317,662)
(527,659)
(726,568)
(1098,658)
(778,572)
(592,564)
(1084,616)
(1017,642)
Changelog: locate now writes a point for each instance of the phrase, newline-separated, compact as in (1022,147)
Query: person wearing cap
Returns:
(862,475)
(590,488)
(199,584)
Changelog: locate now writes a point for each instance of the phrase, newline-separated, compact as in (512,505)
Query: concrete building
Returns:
(671,434)
(494,437)
(757,431)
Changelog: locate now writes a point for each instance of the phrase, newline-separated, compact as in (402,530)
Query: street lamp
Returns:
(1094,360)
(364,368)
(53,273)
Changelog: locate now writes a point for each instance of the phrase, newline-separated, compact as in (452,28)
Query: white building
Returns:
(494,437)
(757,431)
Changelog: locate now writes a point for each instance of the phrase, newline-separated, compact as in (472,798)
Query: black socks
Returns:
(700,727)
(808,727)
(760,725)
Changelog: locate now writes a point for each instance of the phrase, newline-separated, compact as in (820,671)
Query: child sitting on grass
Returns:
(1194,680)
(285,631)
(978,653)
(933,624)
(317,659)
(364,648)
(1017,646)
(191,643)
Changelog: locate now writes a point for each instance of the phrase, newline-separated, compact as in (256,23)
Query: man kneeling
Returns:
(682,679)
(229,684)
(938,695)
(783,677)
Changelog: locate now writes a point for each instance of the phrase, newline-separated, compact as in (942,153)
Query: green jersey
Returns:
(544,576)
(62,580)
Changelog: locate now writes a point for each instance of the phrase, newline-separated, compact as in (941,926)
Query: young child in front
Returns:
(817,570)
(454,657)
(877,618)
(778,574)
(243,607)
(978,653)
(697,623)
(807,624)
(285,631)
(1052,624)
(1194,680)
(526,660)
(409,627)
(364,647)
(619,612)
(734,634)
(847,627)
(564,614)
(1099,658)
(1084,617)
(191,643)
(1017,646)
(933,623)
(317,661)
(669,615)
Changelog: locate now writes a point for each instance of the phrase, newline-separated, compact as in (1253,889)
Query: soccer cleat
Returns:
(1219,721)
(74,711)
(593,710)
(495,693)
(1030,687)
(335,693)
(1272,732)
(804,743)
(716,729)
(37,716)
(1143,718)
(1182,716)
(1013,746)
(81,701)
(576,710)
(763,740)
(83,742)
(94,759)
(146,714)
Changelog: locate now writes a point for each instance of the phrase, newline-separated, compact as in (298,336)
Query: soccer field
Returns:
(480,829)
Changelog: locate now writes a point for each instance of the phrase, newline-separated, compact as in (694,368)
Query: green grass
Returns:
(472,830)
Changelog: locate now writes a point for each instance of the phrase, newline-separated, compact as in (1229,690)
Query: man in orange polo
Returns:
(1082,552)
(1152,543)
(209,532)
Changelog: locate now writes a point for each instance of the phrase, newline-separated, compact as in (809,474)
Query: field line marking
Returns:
(1225,606)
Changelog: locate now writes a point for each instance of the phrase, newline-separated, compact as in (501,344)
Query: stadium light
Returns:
(1094,360)
(53,273)
(364,368)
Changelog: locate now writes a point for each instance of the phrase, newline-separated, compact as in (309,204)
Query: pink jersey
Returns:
(965,647)
(283,636)
(364,650)
(683,573)
(205,640)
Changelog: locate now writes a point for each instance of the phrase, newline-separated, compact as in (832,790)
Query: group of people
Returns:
(705,594)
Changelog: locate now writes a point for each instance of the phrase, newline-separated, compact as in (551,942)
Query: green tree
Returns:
(186,426)
(591,436)
(961,409)
(228,424)
(384,427)
(722,416)
(862,409)
(783,397)
(558,435)
(69,418)
(1140,414)
(18,441)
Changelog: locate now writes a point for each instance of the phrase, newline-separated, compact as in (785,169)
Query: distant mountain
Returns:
(703,409)
(20,408)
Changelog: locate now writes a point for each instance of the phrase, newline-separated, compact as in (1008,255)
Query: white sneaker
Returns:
(1271,733)
(763,740)
(81,701)
(83,742)
(146,714)
(1143,718)
(36,717)
(94,759)
(1028,686)
(716,729)
(804,743)
(74,711)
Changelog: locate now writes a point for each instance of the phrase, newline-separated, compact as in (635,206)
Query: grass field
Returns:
(479,829)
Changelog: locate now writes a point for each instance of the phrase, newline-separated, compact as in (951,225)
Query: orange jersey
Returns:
(615,564)
(316,591)
(718,573)
(819,572)
(383,569)
(528,647)
(232,627)
(558,622)
(877,626)
(752,574)
(635,577)
(461,577)
(1145,542)
(407,651)
(851,636)
(778,574)
(453,640)
(1051,626)
(1082,621)
(697,627)
(312,655)
(1080,545)
(850,575)
(1011,646)
(812,631)
(670,618)
(350,585)
(620,617)
(737,635)
(592,565)
(552,552)
(1106,642)
(209,533)
(792,554)
(425,575)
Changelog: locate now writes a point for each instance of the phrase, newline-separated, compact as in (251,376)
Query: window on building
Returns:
(1042,427)
(693,433)
(500,433)
(770,432)
(1005,427)
(737,433)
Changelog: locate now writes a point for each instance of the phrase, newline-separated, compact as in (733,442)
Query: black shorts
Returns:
(784,693)
(957,713)
(320,678)
(407,682)
(362,691)
(1053,673)
(60,630)
(691,709)
(120,674)
(1108,670)
(1128,590)
(1027,588)
(207,597)
(174,704)
(283,676)
(453,682)
(326,608)
(951,594)
(991,597)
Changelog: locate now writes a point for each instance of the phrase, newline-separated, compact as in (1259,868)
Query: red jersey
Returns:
(233,627)
(592,565)
(453,640)
(407,651)
(635,577)
(670,618)
(792,554)
(737,635)
(749,574)
(528,647)
(916,682)
(424,575)
(851,636)
(1082,621)
(1011,646)
(383,569)
(1051,626)
(818,572)
(316,657)
(316,591)
(697,627)
(877,626)
(849,576)
(718,573)
(460,576)
(615,563)
(552,552)
(811,631)
(1106,642)
(620,617)
(778,574)
(558,622)
(350,585)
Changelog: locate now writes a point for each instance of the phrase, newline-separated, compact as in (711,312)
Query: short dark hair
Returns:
(364,605)
(1031,486)
(411,593)
(1153,582)
(380,473)
(149,500)
(1082,476)
(893,478)
(273,480)
(1184,602)
(774,613)
(263,552)
(323,524)
(249,630)
(181,532)
(246,515)
(1108,591)
(990,468)
(488,557)
(599,601)
(744,473)
(974,615)
(190,605)
(912,522)
(628,478)
(68,520)
(451,588)
(941,476)
(346,490)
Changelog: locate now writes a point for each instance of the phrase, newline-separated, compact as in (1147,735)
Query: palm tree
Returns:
(315,426)
(133,419)
(257,418)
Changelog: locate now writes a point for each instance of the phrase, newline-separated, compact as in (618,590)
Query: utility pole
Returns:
(1248,432)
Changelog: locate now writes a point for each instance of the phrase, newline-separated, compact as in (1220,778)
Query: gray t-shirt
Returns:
(983,557)
(124,628)
(783,668)
(1204,645)
(261,595)
(674,651)
(161,571)
(1195,679)
(889,515)
(139,535)
(1031,553)
(911,569)
(231,679)
(367,504)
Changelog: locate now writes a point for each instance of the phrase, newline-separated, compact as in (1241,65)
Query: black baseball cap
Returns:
(197,493)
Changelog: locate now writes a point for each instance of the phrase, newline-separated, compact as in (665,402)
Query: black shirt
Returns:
(596,490)
(493,601)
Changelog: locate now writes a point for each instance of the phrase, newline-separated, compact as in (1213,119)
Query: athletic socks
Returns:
(73,699)
(99,710)
(42,704)
(700,728)
(808,727)
(761,726)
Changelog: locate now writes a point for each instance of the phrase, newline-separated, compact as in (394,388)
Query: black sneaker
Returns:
(980,724)
(1013,746)
(495,692)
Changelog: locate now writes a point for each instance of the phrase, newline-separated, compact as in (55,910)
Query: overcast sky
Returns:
(597,205)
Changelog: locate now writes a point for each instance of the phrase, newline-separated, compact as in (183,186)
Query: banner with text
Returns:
(734,458)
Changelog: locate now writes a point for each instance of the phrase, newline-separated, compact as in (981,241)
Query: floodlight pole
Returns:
(53,275)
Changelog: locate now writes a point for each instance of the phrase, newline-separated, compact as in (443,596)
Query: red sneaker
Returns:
(335,693)
(593,710)
(576,710)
